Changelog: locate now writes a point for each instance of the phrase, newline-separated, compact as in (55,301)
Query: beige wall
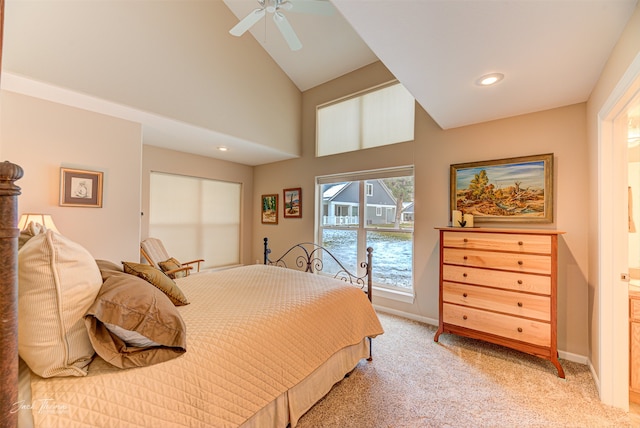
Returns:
(624,53)
(200,74)
(41,137)
(559,131)
(169,161)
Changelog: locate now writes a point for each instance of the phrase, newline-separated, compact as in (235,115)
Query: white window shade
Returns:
(340,130)
(387,117)
(379,117)
(196,218)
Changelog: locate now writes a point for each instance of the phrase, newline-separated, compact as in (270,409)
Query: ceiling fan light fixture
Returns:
(276,7)
(490,79)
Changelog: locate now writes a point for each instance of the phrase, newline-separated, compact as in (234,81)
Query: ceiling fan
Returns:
(277,7)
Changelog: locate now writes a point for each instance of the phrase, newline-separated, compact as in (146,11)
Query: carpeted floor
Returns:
(459,382)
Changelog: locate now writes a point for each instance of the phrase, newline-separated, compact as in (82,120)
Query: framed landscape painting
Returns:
(270,209)
(504,190)
(292,202)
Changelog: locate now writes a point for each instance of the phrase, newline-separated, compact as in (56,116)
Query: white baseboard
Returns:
(407,315)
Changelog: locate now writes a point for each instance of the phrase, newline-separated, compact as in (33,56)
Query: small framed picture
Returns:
(270,209)
(292,202)
(80,188)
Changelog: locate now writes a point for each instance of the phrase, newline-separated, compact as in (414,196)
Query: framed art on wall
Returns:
(80,188)
(292,202)
(269,206)
(512,190)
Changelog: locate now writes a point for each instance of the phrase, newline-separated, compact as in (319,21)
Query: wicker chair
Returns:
(157,256)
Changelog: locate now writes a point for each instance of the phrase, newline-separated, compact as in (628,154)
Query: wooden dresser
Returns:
(500,285)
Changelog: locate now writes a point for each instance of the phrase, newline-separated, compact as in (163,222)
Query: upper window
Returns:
(382,116)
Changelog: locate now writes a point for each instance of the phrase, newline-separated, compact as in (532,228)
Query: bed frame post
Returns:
(9,192)
(266,250)
(369,270)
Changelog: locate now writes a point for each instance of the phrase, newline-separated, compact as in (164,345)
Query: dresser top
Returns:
(506,231)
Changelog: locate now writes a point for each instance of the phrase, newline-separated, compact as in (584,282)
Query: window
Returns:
(369,188)
(193,215)
(382,116)
(381,224)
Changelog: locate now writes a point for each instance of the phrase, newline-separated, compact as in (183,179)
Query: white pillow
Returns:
(130,337)
(58,280)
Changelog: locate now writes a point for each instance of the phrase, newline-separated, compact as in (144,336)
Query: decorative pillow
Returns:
(133,324)
(171,264)
(58,281)
(158,279)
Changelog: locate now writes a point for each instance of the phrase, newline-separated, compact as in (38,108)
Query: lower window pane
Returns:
(392,258)
(343,244)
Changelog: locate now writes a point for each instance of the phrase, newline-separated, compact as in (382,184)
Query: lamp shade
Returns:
(43,219)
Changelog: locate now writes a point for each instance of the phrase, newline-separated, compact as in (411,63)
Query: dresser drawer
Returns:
(634,309)
(540,244)
(530,263)
(509,302)
(539,284)
(511,327)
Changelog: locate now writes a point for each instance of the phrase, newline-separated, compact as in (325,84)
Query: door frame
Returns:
(613,295)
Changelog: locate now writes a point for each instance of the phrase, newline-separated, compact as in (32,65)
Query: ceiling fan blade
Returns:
(287,31)
(317,7)
(247,22)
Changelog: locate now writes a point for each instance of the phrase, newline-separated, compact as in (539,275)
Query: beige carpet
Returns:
(458,382)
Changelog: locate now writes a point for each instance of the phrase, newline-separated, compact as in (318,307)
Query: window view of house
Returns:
(375,213)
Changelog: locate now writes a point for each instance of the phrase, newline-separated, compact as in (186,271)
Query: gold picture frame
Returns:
(80,188)
(269,207)
(516,189)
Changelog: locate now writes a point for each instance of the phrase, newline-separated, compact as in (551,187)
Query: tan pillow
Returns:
(58,281)
(127,307)
(158,279)
(171,264)
(107,268)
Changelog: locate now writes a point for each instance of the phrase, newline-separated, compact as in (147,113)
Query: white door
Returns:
(613,292)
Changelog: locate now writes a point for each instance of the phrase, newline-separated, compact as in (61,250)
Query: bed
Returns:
(252,346)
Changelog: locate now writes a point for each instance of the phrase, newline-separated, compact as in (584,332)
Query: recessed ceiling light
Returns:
(223,148)
(490,79)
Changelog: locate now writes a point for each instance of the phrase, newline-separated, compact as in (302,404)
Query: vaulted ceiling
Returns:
(550,52)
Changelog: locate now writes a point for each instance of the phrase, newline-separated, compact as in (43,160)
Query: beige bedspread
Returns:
(252,333)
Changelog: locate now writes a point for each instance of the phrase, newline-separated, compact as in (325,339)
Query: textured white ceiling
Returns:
(551,52)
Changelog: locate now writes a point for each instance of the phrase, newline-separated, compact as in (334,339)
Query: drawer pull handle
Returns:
(520,304)
(464,274)
(520,243)
(520,282)
(464,258)
(465,240)
(519,329)
(464,294)
(520,262)
(464,317)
